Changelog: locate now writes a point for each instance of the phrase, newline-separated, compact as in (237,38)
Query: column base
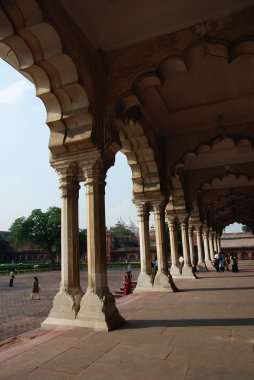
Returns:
(202,267)
(144,283)
(188,272)
(163,283)
(208,264)
(66,305)
(99,311)
(174,271)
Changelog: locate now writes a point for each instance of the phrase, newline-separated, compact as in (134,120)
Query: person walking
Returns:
(12,276)
(227,262)
(35,289)
(234,263)
(181,264)
(221,262)
(216,261)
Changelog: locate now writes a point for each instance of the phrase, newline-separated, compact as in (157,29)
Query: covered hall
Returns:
(169,84)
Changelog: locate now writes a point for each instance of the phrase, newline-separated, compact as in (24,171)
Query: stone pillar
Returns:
(211,249)
(206,246)
(187,269)
(67,301)
(97,308)
(201,263)
(215,243)
(163,280)
(174,270)
(191,244)
(218,242)
(144,279)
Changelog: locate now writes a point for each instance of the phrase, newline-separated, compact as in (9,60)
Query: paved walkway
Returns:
(19,314)
(206,331)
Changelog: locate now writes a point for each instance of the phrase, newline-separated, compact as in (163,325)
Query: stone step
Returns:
(120,293)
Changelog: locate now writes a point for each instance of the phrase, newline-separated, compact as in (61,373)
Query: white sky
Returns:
(27,180)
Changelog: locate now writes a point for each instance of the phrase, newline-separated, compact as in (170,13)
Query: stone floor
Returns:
(19,314)
(206,331)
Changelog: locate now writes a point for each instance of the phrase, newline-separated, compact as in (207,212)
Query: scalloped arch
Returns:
(228,180)
(140,156)
(219,49)
(216,145)
(33,47)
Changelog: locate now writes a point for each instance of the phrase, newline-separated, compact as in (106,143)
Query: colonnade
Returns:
(96,306)
(208,243)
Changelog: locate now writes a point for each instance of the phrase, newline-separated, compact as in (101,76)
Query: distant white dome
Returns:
(130,224)
(119,221)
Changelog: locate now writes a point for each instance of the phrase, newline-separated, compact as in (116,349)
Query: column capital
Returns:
(198,227)
(170,218)
(94,170)
(183,218)
(68,178)
(158,207)
(205,230)
(143,208)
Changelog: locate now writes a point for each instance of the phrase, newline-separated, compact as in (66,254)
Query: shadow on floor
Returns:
(215,289)
(143,324)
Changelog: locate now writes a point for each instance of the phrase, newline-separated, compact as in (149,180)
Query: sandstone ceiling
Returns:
(111,24)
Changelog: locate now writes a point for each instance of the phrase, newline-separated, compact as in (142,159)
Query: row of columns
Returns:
(163,280)
(96,307)
(211,243)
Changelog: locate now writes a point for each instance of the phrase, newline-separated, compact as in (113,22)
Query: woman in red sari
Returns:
(127,285)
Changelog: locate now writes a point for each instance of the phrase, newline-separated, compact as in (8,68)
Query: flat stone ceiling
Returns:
(111,24)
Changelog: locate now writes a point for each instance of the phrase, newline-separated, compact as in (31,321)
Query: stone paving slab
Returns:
(206,331)
(19,314)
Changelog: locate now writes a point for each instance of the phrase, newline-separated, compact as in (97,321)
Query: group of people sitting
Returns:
(222,262)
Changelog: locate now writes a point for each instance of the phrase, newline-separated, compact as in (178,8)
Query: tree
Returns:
(41,228)
(246,229)
(120,230)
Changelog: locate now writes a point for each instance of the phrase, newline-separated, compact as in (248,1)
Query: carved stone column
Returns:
(144,280)
(215,243)
(187,269)
(211,248)
(163,280)
(218,242)
(67,301)
(174,270)
(191,244)
(201,263)
(206,246)
(97,307)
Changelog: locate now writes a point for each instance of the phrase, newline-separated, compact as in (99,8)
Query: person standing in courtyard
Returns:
(12,276)
(127,285)
(181,264)
(35,289)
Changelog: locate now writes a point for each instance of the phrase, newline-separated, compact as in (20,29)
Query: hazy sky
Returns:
(27,180)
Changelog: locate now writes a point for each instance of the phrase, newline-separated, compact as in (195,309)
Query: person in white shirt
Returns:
(181,263)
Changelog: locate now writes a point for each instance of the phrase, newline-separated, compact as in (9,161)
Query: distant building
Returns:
(28,251)
(6,235)
(240,244)
(126,248)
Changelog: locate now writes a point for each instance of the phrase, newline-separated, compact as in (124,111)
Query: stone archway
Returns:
(33,47)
